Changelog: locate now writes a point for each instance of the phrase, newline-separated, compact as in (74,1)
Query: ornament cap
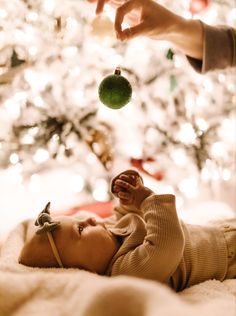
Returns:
(117,71)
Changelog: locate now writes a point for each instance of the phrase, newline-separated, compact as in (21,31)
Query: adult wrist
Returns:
(187,36)
(175,29)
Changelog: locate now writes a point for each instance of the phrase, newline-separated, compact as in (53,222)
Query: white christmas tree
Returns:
(178,129)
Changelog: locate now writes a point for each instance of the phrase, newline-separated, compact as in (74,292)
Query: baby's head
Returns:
(69,242)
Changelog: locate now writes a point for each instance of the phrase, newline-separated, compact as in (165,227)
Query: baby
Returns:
(143,238)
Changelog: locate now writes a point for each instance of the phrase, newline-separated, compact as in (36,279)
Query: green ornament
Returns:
(115,91)
(170,54)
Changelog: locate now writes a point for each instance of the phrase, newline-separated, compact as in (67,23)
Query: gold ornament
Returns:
(100,142)
(102,27)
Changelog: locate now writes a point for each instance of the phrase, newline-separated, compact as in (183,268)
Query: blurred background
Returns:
(58,142)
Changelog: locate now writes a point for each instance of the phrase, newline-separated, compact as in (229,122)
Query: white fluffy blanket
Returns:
(30,291)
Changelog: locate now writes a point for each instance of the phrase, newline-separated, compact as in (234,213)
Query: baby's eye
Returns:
(80,228)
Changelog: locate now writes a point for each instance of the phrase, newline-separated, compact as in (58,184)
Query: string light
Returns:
(100,193)
(14,158)
(3,13)
(70,52)
(34,184)
(202,124)
(221,78)
(187,134)
(38,101)
(189,187)
(201,101)
(205,174)
(41,155)
(49,6)
(226,175)
(33,51)
(27,139)
(13,108)
(32,16)
(208,85)
(38,81)
(231,17)
(218,149)
(77,183)
(179,157)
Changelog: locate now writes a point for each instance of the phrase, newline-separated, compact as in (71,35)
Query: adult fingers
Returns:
(122,11)
(132,32)
(100,6)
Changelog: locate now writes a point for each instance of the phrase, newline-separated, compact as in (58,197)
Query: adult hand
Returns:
(157,22)
(154,20)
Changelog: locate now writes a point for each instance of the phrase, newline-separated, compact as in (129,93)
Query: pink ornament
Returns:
(197,6)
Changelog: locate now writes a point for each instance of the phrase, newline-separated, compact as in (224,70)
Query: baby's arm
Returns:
(162,249)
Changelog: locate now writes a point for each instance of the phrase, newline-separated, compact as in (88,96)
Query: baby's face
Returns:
(84,244)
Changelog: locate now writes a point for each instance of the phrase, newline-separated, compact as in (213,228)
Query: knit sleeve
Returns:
(219,49)
(121,210)
(161,251)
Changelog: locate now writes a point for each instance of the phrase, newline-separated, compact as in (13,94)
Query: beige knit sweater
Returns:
(157,246)
(219,49)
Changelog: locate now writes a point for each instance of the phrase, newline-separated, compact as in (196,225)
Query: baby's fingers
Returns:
(124,185)
(124,195)
(139,182)
(115,189)
(128,178)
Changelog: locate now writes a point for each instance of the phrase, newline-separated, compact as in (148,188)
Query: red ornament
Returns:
(145,165)
(102,209)
(197,6)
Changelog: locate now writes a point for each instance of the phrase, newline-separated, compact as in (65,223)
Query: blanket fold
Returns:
(33,291)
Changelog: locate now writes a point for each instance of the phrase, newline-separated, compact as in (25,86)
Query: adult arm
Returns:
(219,49)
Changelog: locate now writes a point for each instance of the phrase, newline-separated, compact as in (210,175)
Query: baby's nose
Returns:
(91,221)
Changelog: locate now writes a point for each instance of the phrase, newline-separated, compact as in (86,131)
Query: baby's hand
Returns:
(129,188)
